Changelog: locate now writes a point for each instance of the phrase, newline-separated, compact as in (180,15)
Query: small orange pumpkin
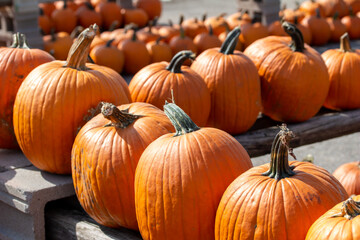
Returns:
(352,23)
(348,175)
(206,40)
(344,69)
(87,15)
(105,155)
(340,222)
(44,23)
(136,15)
(182,42)
(159,51)
(193,27)
(154,84)
(337,27)
(152,8)
(58,44)
(56,99)
(108,56)
(110,14)
(319,27)
(64,19)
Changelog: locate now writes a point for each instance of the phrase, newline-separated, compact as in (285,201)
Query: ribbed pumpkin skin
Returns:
(259,207)
(104,160)
(153,84)
(348,175)
(294,85)
(344,72)
(179,182)
(15,65)
(234,86)
(335,228)
(54,102)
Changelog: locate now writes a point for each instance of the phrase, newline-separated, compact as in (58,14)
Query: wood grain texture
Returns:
(319,128)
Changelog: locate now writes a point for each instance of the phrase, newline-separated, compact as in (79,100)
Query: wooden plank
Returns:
(319,128)
(71,222)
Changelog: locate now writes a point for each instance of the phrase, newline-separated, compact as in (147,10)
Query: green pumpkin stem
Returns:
(336,15)
(229,45)
(181,121)
(297,40)
(19,41)
(108,43)
(345,43)
(349,210)
(317,13)
(179,58)
(79,51)
(119,118)
(279,164)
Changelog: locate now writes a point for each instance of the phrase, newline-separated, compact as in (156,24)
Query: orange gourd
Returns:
(47,8)
(58,44)
(340,222)
(217,23)
(234,86)
(182,42)
(343,66)
(252,32)
(105,155)
(337,28)
(319,28)
(185,174)
(136,54)
(108,56)
(16,62)
(152,8)
(154,84)
(352,24)
(348,175)
(136,15)
(56,99)
(110,14)
(206,40)
(275,29)
(64,19)
(332,6)
(44,23)
(87,15)
(159,51)
(279,200)
(294,77)
(193,27)
(309,8)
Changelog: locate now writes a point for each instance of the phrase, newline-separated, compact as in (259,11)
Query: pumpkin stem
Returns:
(317,12)
(345,43)
(211,32)
(297,43)
(181,121)
(108,43)
(119,118)
(19,41)
(113,25)
(336,15)
(181,19)
(349,210)
(230,42)
(203,18)
(79,51)
(279,164)
(179,58)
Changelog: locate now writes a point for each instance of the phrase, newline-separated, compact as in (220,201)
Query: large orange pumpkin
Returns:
(340,222)
(105,155)
(294,77)
(348,175)
(16,62)
(181,177)
(56,99)
(154,84)
(277,201)
(234,86)
(344,69)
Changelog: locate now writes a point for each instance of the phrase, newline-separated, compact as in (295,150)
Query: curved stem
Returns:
(230,42)
(349,210)
(345,43)
(79,51)
(19,41)
(119,118)
(15,42)
(297,43)
(181,121)
(108,43)
(179,58)
(279,164)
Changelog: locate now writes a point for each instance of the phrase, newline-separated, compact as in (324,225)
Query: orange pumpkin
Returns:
(136,54)
(309,8)
(279,200)
(64,19)
(352,23)
(275,28)
(182,42)
(217,23)
(252,32)
(118,136)
(193,27)
(332,6)
(154,84)
(159,51)
(185,174)
(337,28)
(295,70)
(151,7)
(168,32)
(108,56)
(238,19)
(147,34)
(44,23)
(206,40)
(234,86)
(340,222)
(354,4)
(348,175)
(58,44)
(47,8)
(16,62)
(110,14)
(319,28)
(86,15)
(343,66)
(56,99)
(137,16)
